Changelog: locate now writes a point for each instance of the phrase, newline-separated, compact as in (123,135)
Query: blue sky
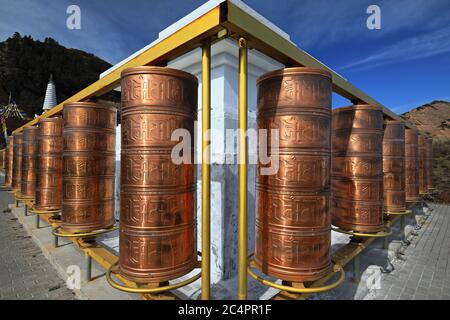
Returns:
(403,65)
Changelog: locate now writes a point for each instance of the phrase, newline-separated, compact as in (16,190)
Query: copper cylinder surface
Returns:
(88,167)
(411,165)
(293,220)
(29,149)
(429,150)
(9,162)
(357,173)
(394,198)
(49,164)
(423,174)
(158,197)
(17,162)
(3,158)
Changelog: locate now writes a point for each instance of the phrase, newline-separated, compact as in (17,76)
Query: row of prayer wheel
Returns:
(345,167)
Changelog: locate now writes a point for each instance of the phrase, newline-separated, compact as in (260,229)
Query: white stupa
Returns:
(50,96)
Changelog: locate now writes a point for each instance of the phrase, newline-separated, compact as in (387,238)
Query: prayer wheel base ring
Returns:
(23,198)
(372,229)
(161,277)
(381,234)
(43,211)
(306,276)
(64,234)
(406,212)
(336,268)
(114,269)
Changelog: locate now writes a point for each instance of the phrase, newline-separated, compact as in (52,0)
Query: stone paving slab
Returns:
(423,273)
(25,272)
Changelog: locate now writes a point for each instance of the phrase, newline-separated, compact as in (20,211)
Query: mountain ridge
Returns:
(433,118)
(26,65)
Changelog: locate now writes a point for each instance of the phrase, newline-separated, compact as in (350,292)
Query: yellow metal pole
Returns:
(242,264)
(206,169)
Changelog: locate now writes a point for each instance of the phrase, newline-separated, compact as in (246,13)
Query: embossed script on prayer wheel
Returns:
(423,174)
(411,165)
(88,167)
(29,149)
(9,162)
(429,150)
(49,164)
(357,174)
(158,197)
(17,162)
(394,166)
(293,221)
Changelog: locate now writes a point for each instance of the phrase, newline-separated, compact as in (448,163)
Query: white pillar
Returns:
(224,181)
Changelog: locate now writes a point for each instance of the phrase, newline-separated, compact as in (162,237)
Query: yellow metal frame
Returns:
(243,167)
(206,170)
(224,20)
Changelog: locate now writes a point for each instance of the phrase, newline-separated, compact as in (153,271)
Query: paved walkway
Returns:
(425,273)
(24,271)
(422,273)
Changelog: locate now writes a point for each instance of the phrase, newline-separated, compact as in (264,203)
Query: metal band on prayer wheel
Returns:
(394,166)
(88,167)
(158,197)
(17,162)
(49,164)
(9,162)
(29,148)
(423,174)
(357,174)
(293,221)
(411,165)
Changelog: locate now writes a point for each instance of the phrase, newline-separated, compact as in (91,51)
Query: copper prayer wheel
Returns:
(2,158)
(158,197)
(394,166)
(88,167)
(17,162)
(411,165)
(293,220)
(9,162)
(29,149)
(49,164)
(357,174)
(423,174)
(429,150)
